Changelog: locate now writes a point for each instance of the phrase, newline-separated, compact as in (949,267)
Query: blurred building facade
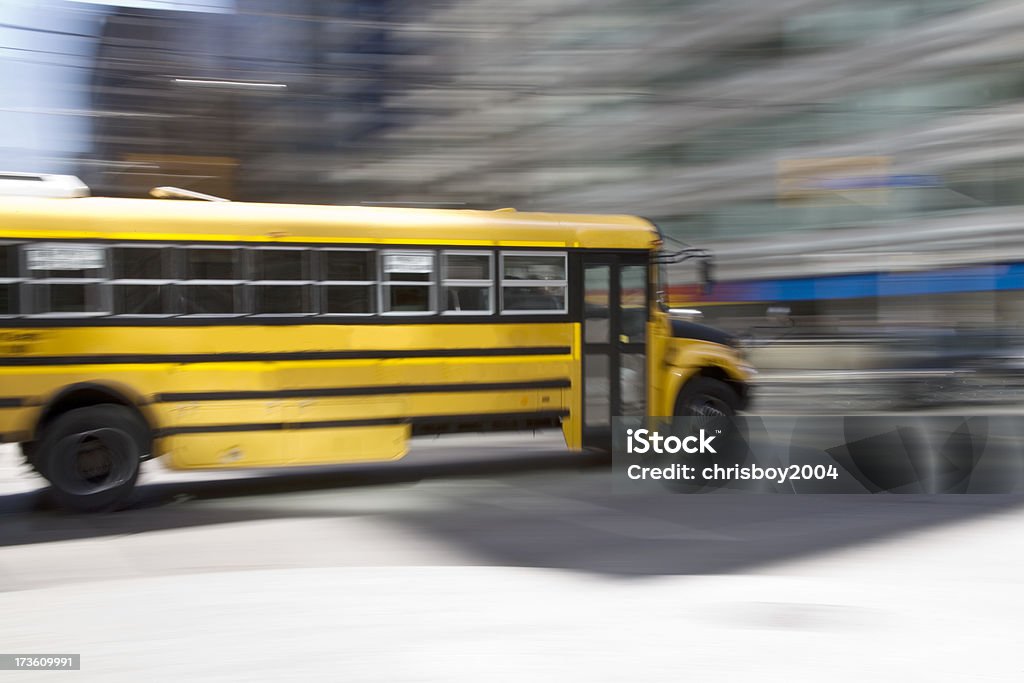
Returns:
(259,103)
(852,160)
(847,159)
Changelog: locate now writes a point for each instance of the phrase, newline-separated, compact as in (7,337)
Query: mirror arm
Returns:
(682,255)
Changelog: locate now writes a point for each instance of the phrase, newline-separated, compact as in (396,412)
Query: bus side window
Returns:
(633,302)
(408,285)
(9,280)
(597,304)
(213,281)
(282,281)
(348,281)
(532,299)
(66,279)
(533,282)
(142,280)
(467,282)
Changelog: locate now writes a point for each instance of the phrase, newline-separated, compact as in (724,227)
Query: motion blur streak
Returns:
(853,164)
(856,167)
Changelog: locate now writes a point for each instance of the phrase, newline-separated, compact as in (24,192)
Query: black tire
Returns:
(708,404)
(706,397)
(91,456)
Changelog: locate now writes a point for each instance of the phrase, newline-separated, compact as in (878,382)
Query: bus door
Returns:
(614,341)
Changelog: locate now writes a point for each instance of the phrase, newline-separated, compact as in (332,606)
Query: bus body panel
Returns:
(285,447)
(686,358)
(17,423)
(176,220)
(235,413)
(572,398)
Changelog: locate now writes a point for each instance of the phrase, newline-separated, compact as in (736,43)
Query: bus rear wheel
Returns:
(707,398)
(91,456)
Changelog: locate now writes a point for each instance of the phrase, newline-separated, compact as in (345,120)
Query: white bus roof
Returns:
(14,184)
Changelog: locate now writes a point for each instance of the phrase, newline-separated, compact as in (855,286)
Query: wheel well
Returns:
(714,372)
(82,396)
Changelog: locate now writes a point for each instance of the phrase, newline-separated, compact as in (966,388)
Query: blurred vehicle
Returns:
(223,335)
(949,365)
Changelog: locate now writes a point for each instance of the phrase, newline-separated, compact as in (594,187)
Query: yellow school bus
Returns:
(228,335)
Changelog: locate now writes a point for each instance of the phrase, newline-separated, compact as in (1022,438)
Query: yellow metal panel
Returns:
(284,447)
(572,426)
(684,358)
(224,450)
(658,336)
(392,372)
(14,422)
(347,444)
(107,218)
(284,338)
(194,413)
(423,404)
(344,408)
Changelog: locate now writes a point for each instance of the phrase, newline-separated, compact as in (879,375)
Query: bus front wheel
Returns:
(91,456)
(707,397)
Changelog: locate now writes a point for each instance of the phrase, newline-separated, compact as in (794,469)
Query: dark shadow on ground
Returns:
(540,509)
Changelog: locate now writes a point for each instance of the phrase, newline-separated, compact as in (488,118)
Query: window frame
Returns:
(16,281)
(241,308)
(489,282)
(31,285)
(320,285)
(431,283)
(171,282)
(563,283)
(249,268)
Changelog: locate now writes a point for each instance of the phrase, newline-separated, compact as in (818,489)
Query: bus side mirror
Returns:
(707,275)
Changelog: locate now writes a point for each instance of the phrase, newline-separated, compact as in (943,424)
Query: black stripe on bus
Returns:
(13,402)
(417,421)
(462,387)
(151,358)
